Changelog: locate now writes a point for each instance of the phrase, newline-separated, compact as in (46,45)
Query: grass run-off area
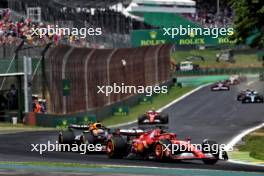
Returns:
(254,144)
(242,60)
(158,101)
(10,128)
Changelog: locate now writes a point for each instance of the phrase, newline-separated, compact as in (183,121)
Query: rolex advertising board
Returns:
(215,36)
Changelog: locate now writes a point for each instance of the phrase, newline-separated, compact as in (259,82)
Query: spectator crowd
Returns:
(206,14)
(13,32)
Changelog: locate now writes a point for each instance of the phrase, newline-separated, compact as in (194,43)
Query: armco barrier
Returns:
(50,120)
(220,71)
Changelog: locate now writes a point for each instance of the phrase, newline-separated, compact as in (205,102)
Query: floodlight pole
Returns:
(19,82)
(28,84)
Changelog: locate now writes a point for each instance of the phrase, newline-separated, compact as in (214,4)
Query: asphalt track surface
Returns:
(204,114)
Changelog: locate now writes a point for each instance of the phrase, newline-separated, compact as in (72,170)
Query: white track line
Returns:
(249,83)
(237,138)
(164,107)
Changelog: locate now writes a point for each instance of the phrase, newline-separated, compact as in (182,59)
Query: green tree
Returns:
(249,22)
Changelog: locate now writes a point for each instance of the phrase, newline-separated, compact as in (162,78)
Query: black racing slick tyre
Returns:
(88,138)
(245,100)
(66,137)
(164,118)
(141,119)
(211,147)
(116,147)
(160,150)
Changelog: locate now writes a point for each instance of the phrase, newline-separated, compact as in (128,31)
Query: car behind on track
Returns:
(92,133)
(243,94)
(220,86)
(253,97)
(153,117)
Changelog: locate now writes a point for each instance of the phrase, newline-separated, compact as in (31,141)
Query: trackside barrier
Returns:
(120,110)
(199,80)
(145,99)
(220,71)
(54,120)
(50,120)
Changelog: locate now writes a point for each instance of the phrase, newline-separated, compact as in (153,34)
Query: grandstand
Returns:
(118,18)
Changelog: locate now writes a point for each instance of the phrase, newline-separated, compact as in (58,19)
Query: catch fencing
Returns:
(84,69)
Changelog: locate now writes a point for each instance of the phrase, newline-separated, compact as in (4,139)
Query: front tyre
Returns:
(116,147)
(141,119)
(66,137)
(164,118)
(211,147)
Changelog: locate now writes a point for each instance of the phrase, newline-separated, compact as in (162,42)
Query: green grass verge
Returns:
(242,60)
(10,128)
(254,144)
(158,101)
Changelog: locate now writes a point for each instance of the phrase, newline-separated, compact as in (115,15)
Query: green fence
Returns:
(16,65)
(199,80)
(220,71)
(48,120)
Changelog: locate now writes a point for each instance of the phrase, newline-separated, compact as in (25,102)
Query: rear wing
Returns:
(84,127)
(129,132)
(153,126)
(79,127)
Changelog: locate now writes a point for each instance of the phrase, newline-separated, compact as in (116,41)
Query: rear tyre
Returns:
(116,147)
(66,137)
(211,147)
(160,150)
(164,118)
(88,138)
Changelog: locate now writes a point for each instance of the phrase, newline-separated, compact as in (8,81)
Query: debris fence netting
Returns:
(85,69)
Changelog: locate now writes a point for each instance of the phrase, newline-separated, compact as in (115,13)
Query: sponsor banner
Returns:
(158,36)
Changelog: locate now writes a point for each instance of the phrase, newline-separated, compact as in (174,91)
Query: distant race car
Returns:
(159,145)
(243,94)
(253,97)
(153,117)
(235,79)
(220,86)
(93,133)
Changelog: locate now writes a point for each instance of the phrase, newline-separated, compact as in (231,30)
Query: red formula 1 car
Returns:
(153,117)
(220,86)
(161,146)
